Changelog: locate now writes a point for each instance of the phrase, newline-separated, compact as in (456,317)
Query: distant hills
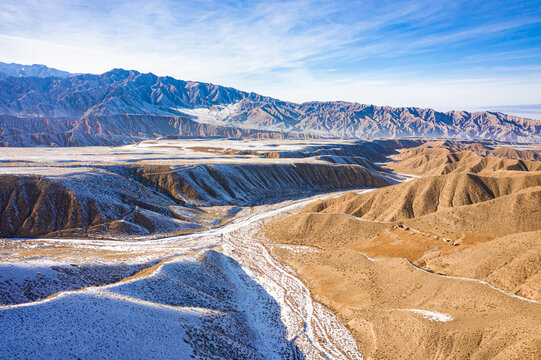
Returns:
(36,70)
(44,106)
(530,111)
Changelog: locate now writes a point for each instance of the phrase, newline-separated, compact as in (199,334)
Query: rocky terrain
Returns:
(188,186)
(353,120)
(443,157)
(530,111)
(47,107)
(36,70)
(214,294)
(271,249)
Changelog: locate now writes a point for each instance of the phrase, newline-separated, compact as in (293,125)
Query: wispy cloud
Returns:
(286,47)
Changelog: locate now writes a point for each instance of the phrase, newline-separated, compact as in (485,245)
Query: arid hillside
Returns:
(446,265)
(431,194)
(492,149)
(460,208)
(196,187)
(396,311)
(271,249)
(510,262)
(444,157)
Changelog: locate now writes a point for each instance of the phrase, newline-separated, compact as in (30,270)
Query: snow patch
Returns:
(432,315)
(215,115)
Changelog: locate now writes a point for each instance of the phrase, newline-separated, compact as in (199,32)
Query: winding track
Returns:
(473,280)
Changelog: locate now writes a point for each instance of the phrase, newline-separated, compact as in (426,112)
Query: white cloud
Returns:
(294,50)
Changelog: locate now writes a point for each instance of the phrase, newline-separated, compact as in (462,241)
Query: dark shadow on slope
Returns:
(249,184)
(244,321)
(113,201)
(21,284)
(217,282)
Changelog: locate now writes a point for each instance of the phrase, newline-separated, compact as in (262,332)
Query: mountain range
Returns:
(36,70)
(43,106)
(530,111)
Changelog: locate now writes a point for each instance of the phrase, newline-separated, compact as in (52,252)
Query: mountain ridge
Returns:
(37,70)
(71,101)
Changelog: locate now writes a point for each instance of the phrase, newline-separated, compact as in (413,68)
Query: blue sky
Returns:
(441,54)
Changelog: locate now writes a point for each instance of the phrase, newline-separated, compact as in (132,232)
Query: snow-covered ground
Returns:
(186,151)
(39,170)
(312,327)
(231,115)
(218,294)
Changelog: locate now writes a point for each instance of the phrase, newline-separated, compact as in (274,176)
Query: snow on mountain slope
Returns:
(120,106)
(34,205)
(24,281)
(217,114)
(144,200)
(95,325)
(205,306)
(165,186)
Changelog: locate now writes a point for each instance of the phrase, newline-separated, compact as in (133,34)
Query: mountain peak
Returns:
(35,70)
(120,73)
(81,103)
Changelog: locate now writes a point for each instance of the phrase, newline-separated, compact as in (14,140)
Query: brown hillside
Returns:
(441,232)
(512,263)
(517,212)
(466,221)
(479,148)
(374,299)
(509,153)
(421,218)
(424,196)
(444,157)
(444,224)
(440,162)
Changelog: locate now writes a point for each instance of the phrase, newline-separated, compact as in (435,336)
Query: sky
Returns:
(440,54)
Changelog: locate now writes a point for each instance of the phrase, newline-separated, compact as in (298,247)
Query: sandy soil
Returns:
(439,267)
(375,299)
